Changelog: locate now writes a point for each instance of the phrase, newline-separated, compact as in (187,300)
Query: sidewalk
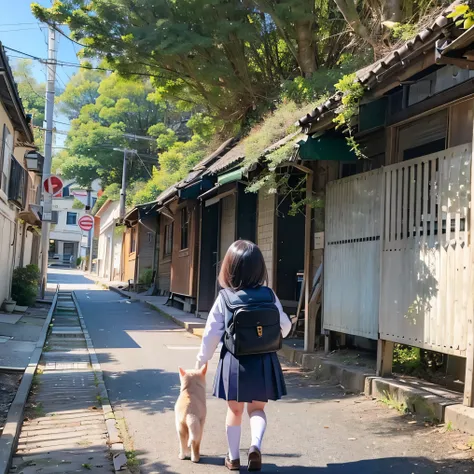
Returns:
(65,428)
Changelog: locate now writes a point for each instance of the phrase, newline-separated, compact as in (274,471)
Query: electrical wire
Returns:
(75,65)
(146,169)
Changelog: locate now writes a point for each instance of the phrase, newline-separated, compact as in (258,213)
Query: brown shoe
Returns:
(232,465)
(255,459)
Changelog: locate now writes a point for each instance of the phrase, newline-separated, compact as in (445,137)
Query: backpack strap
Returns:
(237,299)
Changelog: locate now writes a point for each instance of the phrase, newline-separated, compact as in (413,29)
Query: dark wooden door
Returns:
(208,264)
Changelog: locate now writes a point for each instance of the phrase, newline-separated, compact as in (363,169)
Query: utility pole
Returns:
(123,190)
(48,144)
(89,234)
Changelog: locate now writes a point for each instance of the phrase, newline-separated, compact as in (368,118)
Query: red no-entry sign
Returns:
(53,184)
(86,223)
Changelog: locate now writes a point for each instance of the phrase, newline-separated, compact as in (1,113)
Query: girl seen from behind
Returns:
(248,317)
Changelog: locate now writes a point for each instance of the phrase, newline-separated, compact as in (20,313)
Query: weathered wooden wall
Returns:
(426,250)
(265,230)
(164,261)
(228,220)
(352,255)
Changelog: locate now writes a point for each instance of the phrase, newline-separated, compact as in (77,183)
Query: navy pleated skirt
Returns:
(249,378)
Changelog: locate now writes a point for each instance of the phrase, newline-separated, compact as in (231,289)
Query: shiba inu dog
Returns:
(190,412)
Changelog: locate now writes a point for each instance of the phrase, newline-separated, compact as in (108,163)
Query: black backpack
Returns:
(252,322)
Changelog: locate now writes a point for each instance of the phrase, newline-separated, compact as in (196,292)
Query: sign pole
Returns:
(48,145)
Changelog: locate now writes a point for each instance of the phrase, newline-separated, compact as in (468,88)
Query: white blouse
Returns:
(215,328)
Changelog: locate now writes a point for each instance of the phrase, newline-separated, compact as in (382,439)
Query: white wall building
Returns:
(109,258)
(66,238)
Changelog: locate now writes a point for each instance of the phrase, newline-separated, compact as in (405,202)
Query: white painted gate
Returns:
(425,288)
(352,255)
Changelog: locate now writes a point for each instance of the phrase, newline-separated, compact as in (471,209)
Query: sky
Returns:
(20,30)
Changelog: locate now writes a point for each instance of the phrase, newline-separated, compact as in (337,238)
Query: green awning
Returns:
(230,177)
(327,147)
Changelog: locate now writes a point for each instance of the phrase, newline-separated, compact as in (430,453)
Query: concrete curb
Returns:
(115,441)
(194,328)
(14,422)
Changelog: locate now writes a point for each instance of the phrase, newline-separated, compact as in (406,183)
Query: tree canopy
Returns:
(32,95)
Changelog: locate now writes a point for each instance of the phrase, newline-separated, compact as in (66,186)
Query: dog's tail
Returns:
(194,428)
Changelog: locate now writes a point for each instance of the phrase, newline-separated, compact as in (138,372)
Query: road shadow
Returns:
(392,465)
(395,465)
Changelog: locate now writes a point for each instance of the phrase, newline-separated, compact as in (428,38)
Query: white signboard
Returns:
(318,240)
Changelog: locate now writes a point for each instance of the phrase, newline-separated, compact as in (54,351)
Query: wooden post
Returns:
(309,317)
(469,378)
(384,358)
(327,342)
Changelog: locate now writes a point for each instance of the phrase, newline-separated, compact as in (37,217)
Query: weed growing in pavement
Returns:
(39,410)
(87,466)
(132,460)
(388,400)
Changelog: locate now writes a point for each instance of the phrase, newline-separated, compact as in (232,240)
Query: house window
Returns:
(133,241)
(6,150)
(54,217)
(184,228)
(168,247)
(71,218)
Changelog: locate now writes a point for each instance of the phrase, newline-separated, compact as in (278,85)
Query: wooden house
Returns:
(179,233)
(140,247)
(229,212)
(398,264)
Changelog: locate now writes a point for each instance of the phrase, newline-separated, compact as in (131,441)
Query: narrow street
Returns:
(316,429)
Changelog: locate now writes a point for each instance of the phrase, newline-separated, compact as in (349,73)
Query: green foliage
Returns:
(81,90)
(112,191)
(319,85)
(404,31)
(25,284)
(78,261)
(463,16)
(406,359)
(352,91)
(32,95)
(146,277)
(274,127)
(104,108)
(77,204)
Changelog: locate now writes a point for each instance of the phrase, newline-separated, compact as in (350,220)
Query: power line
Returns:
(146,169)
(15,24)
(81,66)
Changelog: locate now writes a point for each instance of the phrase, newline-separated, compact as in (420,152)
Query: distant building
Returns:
(66,238)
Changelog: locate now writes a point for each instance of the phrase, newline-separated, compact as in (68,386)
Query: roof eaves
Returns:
(6,70)
(392,62)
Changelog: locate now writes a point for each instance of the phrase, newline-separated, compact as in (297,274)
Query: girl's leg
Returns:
(235,411)
(258,422)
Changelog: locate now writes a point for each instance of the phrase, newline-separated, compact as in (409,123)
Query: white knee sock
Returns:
(258,424)
(233,440)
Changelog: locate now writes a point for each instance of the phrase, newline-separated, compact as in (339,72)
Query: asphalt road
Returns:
(316,429)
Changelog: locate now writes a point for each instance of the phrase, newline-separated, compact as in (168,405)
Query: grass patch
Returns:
(87,466)
(449,426)
(132,459)
(393,404)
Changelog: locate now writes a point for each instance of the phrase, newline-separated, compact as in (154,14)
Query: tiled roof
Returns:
(232,157)
(393,62)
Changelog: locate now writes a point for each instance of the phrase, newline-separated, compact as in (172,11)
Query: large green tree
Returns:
(108,119)
(229,58)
